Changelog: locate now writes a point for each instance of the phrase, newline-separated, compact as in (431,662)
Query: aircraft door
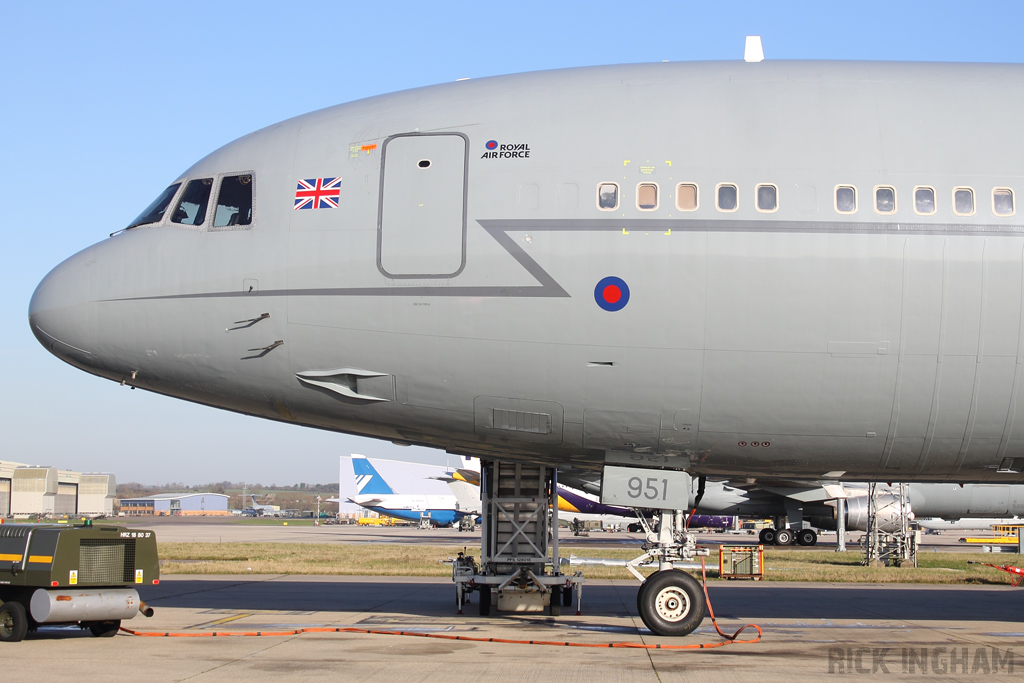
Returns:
(421,230)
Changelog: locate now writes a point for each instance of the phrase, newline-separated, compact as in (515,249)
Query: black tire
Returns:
(761,537)
(784,537)
(634,528)
(567,597)
(671,603)
(13,622)
(485,600)
(767,536)
(104,629)
(807,537)
(555,605)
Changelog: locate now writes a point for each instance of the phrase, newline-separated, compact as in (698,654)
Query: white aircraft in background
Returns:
(373,493)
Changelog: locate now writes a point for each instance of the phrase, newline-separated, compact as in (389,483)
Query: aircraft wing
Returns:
(803,490)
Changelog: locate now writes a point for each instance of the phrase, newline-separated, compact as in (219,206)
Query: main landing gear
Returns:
(772,536)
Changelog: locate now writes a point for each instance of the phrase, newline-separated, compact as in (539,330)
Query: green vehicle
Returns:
(61,574)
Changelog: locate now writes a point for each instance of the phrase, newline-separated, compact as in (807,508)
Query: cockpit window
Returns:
(154,213)
(234,203)
(194,200)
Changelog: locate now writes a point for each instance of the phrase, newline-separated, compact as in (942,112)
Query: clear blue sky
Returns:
(103,103)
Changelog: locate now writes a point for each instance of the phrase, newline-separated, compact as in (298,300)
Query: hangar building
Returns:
(34,490)
(177,504)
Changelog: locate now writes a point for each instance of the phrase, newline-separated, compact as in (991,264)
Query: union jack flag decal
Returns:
(318,193)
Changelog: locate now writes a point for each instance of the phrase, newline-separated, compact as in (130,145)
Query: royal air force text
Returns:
(517,151)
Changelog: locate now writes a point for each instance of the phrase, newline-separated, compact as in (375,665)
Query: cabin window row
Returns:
(766,198)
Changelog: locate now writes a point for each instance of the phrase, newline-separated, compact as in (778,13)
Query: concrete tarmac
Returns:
(811,631)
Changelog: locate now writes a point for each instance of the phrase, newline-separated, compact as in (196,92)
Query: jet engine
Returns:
(857,513)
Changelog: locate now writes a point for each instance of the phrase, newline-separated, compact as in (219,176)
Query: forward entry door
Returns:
(422,219)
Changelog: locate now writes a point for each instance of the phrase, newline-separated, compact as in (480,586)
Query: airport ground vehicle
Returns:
(376,521)
(73,574)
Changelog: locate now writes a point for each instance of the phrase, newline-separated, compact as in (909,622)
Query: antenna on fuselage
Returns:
(753,51)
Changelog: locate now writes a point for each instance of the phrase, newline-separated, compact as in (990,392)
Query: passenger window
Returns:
(647,196)
(686,197)
(963,201)
(234,203)
(846,199)
(885,199)
(608,196)
(154,213)
(767,198)
(728,198)
(924,200)
(1002,201)
(194,200)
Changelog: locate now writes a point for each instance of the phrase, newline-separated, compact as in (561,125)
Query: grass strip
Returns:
(388,559)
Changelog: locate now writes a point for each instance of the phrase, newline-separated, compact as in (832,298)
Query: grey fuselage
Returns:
(947,501)
(457,305)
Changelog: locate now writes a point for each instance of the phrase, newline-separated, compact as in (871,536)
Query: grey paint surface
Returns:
(881,346)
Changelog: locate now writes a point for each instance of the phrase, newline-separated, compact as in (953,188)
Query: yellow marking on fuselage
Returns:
(9,558)
(41,559)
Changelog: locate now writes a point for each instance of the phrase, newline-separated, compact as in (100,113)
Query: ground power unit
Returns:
(73,574)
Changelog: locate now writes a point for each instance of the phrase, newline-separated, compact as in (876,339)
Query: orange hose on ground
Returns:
(441,636)
(729,640)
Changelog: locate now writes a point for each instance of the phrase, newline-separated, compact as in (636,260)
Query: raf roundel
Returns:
(492,144)
(612,294)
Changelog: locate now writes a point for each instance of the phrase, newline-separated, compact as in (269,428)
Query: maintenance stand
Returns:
(519,509)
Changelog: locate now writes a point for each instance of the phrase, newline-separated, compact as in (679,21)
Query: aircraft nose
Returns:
(60,312)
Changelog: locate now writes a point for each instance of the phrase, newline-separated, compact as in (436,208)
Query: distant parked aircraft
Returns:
(373,493)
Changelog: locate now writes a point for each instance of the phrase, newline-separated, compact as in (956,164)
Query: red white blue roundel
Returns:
(612,293)
(492,144)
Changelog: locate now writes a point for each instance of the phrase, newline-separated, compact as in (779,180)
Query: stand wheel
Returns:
(784,537)
(671,603)
(485,600)
(806,537)
(13,622)
(767,536)
(555,606)
(566,597)
(104,629)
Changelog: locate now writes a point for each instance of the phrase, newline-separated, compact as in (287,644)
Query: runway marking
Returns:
(225,620)
(284,612)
